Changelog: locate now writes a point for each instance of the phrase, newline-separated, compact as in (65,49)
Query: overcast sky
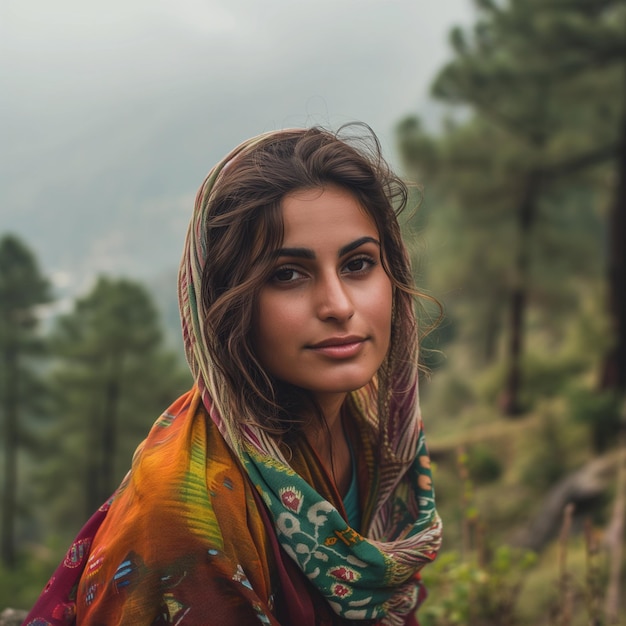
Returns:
(112,112)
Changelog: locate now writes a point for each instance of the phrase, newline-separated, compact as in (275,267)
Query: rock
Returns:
(12,617)
(581,487)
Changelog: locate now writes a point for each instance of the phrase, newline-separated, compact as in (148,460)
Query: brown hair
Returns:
(244,229)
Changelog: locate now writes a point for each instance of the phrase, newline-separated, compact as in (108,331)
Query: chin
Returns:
(344,386)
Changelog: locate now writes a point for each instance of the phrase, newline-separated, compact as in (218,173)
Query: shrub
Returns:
(483,465)
(600,411)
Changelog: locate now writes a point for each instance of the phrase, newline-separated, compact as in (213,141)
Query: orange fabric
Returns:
(151,553)
(155,554)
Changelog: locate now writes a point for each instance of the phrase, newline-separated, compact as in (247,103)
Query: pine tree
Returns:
(590,38)
(113,378)
(543,80)
(22,290)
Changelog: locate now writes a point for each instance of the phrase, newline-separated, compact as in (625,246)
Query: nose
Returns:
(333,300)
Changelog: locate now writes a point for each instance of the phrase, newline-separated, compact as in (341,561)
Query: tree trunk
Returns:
(613,372)
(109,437)
(510,403)
(9,502)
(493,328)
(92,471)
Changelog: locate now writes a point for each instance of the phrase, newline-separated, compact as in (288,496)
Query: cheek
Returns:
(376,307)
(383,309)
(274,323)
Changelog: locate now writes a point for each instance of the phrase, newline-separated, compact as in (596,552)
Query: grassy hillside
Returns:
(514,553)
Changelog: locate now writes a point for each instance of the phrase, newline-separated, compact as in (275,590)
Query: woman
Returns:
(291,485)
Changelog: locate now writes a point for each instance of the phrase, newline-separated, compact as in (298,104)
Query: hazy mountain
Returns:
(113,114)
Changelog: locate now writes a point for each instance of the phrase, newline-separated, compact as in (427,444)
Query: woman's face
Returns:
(323,319)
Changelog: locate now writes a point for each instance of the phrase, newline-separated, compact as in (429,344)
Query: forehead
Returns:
(324,215)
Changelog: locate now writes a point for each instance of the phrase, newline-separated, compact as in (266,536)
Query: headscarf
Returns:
(370,574)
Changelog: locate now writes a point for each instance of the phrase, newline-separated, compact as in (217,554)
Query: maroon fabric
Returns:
(56,605)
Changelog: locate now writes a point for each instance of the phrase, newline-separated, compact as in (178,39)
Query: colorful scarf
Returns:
(213,525)
(362,576)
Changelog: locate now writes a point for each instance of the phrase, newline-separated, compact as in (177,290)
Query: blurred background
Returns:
(507,117)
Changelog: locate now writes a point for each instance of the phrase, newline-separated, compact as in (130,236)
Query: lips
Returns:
(339,347)
(337,341)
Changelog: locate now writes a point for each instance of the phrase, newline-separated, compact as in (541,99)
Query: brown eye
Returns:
(359,265)
(286,275)
(356,265)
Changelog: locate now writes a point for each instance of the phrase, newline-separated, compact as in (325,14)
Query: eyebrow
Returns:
(307,253)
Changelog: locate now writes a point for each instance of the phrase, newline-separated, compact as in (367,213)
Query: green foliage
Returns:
(449,393)
(466,592)
(517,235)
(601,412)
(112,378)
(549,461)
(20,585)
(549,375)
(22,290)
(478,578)
(524,195)
(483,464)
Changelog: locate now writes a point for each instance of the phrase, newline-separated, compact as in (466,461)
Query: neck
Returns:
(328,439)
(317,431)
(330,405)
